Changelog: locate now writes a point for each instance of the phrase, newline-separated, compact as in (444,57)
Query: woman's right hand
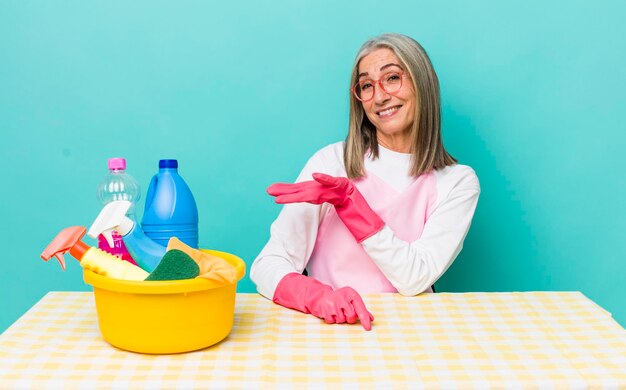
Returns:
(310,296)
(344,305)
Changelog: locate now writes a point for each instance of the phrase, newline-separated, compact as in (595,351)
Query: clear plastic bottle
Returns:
(118,185)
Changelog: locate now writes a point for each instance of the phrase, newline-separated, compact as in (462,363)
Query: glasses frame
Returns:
(378,82)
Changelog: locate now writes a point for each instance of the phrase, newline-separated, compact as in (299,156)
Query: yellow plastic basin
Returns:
(160,317)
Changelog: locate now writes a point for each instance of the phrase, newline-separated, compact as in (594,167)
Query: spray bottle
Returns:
(93,259)
(146,253)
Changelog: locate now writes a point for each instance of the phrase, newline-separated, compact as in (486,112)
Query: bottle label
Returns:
(118,249)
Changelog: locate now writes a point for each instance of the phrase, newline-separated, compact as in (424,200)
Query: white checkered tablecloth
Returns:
(471,340)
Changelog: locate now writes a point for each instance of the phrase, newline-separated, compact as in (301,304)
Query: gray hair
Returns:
(427,146)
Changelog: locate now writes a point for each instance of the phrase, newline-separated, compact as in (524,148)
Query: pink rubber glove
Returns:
(296,291)
(351,207)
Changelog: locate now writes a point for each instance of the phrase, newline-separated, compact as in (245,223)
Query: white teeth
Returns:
(388,111)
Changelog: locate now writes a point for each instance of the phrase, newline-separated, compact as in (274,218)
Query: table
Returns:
(469,340)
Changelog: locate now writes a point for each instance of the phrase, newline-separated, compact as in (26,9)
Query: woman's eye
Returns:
(366,85)
(393,77)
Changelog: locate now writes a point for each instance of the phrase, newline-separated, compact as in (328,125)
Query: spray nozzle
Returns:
(112,217)
(68,240)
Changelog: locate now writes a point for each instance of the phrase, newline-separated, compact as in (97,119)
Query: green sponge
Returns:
(175,265)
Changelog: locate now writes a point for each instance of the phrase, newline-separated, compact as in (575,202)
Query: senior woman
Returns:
(385,211)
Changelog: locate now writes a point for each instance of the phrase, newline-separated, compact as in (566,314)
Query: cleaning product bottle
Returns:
(146,253)
(118,185)
(94,259)
(170,209)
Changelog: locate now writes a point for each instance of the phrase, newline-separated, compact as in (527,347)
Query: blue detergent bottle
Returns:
(170,209)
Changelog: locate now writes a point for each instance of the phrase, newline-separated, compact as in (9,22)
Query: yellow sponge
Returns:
(211,267)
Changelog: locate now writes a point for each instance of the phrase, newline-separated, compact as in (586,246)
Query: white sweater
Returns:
(411,267)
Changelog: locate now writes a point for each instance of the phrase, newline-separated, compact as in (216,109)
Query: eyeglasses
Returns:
(365,89)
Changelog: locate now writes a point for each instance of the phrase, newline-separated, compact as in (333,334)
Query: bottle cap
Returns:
(117,163)
(168,163)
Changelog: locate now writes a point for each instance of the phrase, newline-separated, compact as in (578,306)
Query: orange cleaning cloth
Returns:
(211,267)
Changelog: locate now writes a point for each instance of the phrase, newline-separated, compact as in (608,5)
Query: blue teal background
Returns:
(243,93)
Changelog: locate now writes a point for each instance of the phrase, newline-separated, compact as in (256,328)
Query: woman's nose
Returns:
(380,95)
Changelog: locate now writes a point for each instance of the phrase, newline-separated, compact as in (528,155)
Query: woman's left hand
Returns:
(351,207)
(323,188)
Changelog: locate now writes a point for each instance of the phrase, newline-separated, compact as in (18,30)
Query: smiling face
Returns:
(391,115)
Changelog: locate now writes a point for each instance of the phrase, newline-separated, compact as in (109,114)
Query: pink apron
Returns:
(338,260)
